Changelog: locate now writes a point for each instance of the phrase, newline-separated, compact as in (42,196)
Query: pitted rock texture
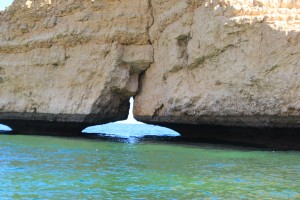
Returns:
(231,62)
(72,61)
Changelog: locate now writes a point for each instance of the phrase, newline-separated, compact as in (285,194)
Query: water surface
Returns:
(35,167)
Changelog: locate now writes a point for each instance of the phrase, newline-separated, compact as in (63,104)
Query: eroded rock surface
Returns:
(190,62)
(72,61)
(230,63)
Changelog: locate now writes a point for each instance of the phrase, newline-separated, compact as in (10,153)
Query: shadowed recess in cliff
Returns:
(4,128)
(129,130)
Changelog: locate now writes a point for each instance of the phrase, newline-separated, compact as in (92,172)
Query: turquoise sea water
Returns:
(36,167)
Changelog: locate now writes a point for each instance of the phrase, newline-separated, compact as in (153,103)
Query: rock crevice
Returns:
(71,61)
(230,63)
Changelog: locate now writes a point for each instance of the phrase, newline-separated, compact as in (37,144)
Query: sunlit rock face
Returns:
(192,62)
(72,61)
(230,63)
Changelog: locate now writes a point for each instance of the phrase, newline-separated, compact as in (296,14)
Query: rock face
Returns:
(190,64)
(71,62)
(229,63)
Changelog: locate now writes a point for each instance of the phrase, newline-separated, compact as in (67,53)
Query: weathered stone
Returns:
(230,63)
(71,62)
(190,64)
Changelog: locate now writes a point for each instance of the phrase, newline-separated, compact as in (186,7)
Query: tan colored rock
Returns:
(72,61)
(231,62)
(214,62)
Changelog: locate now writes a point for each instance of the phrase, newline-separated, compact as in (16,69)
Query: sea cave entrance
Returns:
(130,130)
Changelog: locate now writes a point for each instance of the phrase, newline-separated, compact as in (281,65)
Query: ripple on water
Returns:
(51,168)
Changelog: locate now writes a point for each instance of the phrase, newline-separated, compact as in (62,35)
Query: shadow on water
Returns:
(178,140)
(148,134)
(151,134)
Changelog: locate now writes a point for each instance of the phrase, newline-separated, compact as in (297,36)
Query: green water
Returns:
(57,168)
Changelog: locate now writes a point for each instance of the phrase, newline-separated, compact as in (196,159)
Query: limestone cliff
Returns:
(187,62)
(72,61)
(230,62)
